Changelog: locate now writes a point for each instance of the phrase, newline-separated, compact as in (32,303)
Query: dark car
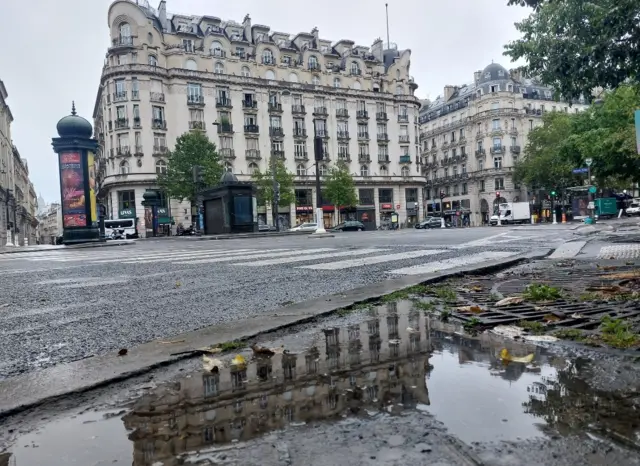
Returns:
(350,225)
(435,222)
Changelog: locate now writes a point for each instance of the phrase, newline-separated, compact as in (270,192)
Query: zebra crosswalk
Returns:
(392,260)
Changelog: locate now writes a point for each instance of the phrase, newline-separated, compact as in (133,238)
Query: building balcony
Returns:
(249,105)
(275,107)
(227,153)
(223,103)
(325,158)
(276,132)
(195,100)
(252,154)
(343,135)
(225,128)
(363,136)
(298,109)
(496,132)
(405,159)
(299,132)
(315,67)
(278,154)
(196,125)
(255,129)
(382,116)
(481,153)
(403,118)
(383,159)
(138,150)
(121,123)
(135,95)
(344,157)
(121,42)
(362,115)
(342,113)
(218,53)
(513,131)
(268,61)
(301,156)
(481,135)
(383,137)
(157,97)
(322,133)
(445,145)
(320,111)
(364,158)
(160,150)
(137,124)
(123,151)
(514,149)
(158,123)
(355,72)
(496,150)
(120,96)
(404,139)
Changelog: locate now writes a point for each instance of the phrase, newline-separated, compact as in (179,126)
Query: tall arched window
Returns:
(323,170)
(246,72)
(191,64)
(316,80)
(404,171)
(355,68)
(313,62)
(399,90)
(219,68)
(364,170)
(124,31)
(124,167)
(384,171)
(267,57)
(301,170)
(228,167)
(253,168)
(216,49)
(153,61)
(336,82)
(161,167)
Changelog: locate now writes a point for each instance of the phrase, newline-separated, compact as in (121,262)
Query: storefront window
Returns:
(385,196)
(365,197)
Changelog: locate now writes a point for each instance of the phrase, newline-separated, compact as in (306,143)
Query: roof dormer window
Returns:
(487,75)
(500,72)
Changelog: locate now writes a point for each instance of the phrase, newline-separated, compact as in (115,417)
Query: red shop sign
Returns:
(386,206)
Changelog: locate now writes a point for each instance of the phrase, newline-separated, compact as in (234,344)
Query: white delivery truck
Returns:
(512,213)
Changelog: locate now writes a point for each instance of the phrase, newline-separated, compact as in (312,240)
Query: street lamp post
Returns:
(318,150)
(276,191)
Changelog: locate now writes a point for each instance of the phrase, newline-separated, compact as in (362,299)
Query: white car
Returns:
(633,209)
(305,227)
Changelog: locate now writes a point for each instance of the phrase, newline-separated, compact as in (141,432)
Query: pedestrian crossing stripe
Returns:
(303,258)
(350,263)
(437,266)
(257,255)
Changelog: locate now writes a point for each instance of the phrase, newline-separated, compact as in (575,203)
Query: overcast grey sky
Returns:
(53,50)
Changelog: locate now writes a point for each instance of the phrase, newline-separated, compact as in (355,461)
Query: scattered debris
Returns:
(506,356)
(261,351)
(173,342)
(509,301)
(474,309)
(238,360)
(123,352)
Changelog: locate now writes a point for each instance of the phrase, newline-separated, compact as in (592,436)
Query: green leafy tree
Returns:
(264,185)
(339,187)
(547,160)
(577,46)
(191,149)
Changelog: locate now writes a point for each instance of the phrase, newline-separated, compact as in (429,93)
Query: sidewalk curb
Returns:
(36,388)
(68,248)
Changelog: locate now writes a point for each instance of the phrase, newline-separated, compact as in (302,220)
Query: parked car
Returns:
(305,227)
(423,224)
(435,222)
(350,225)
(633,209)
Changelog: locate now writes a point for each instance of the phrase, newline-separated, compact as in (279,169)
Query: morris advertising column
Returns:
(76,159)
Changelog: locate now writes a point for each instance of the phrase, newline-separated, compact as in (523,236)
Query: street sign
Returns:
(588,161)
(592,189)
(577,171)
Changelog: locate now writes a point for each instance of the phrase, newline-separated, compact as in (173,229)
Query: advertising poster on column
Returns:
(72,181)
(92,187)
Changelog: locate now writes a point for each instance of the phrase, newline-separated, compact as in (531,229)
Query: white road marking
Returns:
(620,251)
(172,256)
(235,254)
(346,264)
(288,260)
(263,255)
(437,266)
(568,250)
(479,242)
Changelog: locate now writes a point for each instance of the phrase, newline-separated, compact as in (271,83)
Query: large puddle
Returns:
(393,359)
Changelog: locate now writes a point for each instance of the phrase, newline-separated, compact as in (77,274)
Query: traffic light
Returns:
(553,194)
(442,195)
(318,148)
(198,174)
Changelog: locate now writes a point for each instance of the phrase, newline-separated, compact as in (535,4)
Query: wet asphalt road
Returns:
(58,307)
(385,401)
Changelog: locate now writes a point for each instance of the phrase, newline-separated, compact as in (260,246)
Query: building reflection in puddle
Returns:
(381,363)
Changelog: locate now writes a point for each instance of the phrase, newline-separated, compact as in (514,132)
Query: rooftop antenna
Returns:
(386,6)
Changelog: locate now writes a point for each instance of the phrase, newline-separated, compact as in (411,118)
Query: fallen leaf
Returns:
(551,318)
(473,309)
(577,316)
(4,305)
(509,301)
(603,289)
(123,352)
(171,342)
(476,288)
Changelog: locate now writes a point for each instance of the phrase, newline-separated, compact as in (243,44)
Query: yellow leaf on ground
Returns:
(509,301)
(473,309)
(506,356)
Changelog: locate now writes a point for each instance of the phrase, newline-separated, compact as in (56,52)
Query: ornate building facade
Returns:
(472,136)
(257,94)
